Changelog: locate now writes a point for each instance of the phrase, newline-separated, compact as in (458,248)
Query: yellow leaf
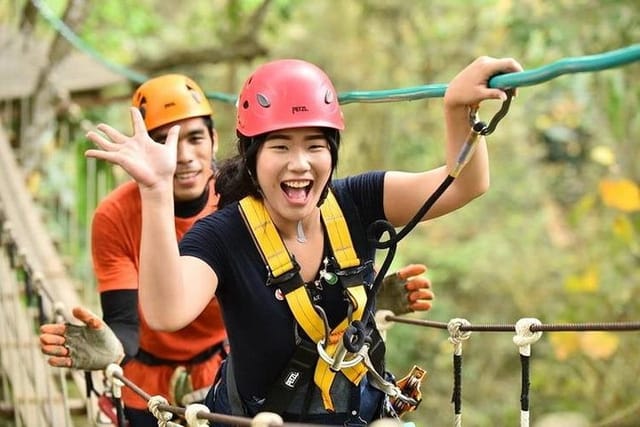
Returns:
(623,228)
(564,344)
(621,194)
(599,344)
(34,181)
(587,282)
(603,155)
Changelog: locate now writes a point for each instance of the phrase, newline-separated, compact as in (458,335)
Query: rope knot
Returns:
(163,417)
(112,372)
(524,336)
(266,419)
(381,321)
(456,334)
(191,415)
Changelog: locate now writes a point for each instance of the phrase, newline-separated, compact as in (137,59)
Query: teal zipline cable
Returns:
(66,32)
(579,64)
(602,61)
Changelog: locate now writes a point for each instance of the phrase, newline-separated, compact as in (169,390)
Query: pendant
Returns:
(300,237)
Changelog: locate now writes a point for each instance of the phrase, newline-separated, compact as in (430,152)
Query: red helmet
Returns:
(288,93)
(169,98)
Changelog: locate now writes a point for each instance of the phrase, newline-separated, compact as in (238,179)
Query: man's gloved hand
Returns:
(405,291)
(91,346)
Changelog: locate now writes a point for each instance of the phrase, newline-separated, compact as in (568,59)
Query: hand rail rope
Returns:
(570,65)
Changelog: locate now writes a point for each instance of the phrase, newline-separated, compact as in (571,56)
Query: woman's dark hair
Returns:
(236,176)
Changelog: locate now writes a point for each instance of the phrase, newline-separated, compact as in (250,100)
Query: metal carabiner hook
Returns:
(488,129)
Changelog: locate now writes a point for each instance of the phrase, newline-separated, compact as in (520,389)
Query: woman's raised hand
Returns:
(471,85)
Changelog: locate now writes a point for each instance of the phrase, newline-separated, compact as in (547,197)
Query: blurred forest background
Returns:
(556,237)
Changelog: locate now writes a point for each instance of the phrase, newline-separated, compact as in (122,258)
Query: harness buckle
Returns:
(352,276)
(287,281)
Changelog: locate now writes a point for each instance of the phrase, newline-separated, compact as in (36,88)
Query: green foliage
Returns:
(540,244)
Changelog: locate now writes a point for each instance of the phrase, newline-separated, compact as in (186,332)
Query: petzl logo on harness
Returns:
(292,379)
(285,274)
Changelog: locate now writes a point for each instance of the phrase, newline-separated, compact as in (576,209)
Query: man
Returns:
(180,365)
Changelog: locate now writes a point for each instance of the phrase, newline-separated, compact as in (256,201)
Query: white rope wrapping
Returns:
(390,422)
(116,384)
(191,415)
(457,420)
(266,419)
(163,417)
(524,336)
(524,418)
(382,323)
(456,336)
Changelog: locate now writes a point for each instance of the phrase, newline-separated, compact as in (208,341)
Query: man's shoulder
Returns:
(125,197)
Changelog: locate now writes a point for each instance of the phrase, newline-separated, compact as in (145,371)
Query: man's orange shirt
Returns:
(115,245)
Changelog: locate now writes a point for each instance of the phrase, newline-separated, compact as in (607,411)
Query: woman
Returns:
(274,230)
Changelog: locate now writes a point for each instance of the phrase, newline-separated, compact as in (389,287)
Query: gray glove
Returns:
(405,291)
(92,349)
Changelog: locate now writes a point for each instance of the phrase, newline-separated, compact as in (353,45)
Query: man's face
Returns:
(196,149)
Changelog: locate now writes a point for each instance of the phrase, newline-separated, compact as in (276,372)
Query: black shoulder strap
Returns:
(235,402)
(298,373)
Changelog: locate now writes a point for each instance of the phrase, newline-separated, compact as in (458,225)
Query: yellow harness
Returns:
(285,272)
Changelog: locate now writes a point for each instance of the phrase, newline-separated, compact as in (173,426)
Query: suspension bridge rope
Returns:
(570,65)
(552,327)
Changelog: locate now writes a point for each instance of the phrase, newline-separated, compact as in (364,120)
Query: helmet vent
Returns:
(263,100)
(328,97)
(142,106)
(194,95)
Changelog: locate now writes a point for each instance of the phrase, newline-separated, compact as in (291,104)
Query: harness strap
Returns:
(297,372)
(235,401)
(285,273)
(152,360)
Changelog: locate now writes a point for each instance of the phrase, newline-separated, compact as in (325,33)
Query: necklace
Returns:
(300,237)
(329,277)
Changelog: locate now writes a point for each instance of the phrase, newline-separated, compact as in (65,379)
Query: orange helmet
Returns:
(287,93)
(170,98)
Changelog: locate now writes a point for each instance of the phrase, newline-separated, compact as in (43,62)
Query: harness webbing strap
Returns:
(284,269)
(338,232)
(266,236)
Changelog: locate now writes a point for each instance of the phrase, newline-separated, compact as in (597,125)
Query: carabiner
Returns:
(488,129)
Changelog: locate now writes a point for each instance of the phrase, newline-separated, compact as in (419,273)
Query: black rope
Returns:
(524,393)
(354,337)
(456,397)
